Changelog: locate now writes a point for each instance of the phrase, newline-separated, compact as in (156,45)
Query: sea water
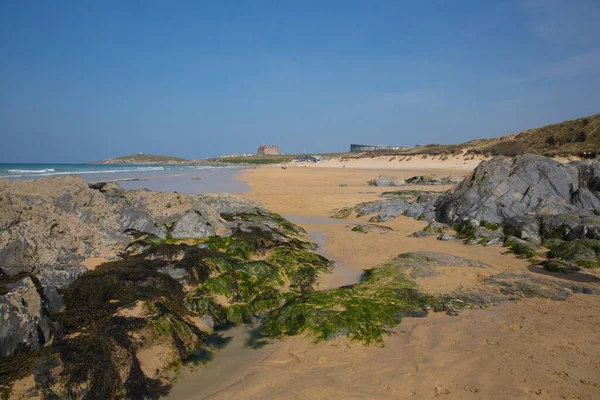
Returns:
(188,179)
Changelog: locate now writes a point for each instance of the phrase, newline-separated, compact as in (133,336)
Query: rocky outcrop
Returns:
(173,265)
(529,195)
(50,226)
(412,203)
(427,180)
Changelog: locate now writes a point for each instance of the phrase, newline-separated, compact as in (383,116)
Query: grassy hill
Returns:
(579,137)
(265,159)
(145,159)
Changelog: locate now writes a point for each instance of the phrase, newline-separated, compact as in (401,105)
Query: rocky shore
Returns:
(171,268)
(106,291)
(529,203)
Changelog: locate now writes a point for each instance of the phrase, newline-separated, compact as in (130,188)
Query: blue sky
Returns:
(87,80)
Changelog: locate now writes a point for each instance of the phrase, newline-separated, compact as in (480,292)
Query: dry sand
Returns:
(533,349)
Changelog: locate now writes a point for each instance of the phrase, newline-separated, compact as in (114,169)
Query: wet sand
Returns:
(530,349)
(192,181)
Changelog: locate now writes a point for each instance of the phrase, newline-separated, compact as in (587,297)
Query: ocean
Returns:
(189,179)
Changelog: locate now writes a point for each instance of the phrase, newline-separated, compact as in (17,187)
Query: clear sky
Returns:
(87,80)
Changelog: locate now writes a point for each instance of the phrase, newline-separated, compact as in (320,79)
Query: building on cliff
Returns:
(268,149)
(355,148)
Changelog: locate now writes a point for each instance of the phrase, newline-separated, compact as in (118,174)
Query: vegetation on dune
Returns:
(579,137)
(265,159)
(145,159)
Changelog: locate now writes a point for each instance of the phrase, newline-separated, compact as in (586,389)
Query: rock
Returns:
(48,227)
(432,180)
(499,189)
(384,180)
(421,234)
(447,236)
(110,189)
(423,264)
(134,219)
(192,225)
(532,196)
(208,320)
(21,316)
(176,273)
(555,265)
(584,231)
(525,227)
(411,203)
(576,250)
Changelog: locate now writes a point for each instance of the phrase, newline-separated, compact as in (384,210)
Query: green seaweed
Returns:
(522,251)
(359,229)
(363,312)
(300,266)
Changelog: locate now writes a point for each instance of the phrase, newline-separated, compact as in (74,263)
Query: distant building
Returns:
(268,149)
(308,158)
(355,148)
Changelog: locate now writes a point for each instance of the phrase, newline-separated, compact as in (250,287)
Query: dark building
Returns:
(356,148)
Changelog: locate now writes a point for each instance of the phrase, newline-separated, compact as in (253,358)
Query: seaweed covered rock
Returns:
(367,310)
(175,260)
(48,227)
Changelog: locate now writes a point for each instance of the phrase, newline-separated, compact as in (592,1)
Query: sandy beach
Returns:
(531,349)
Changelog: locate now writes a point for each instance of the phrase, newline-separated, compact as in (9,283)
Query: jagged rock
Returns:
(584,231)
(534,197)
(134,219)
(525,227)
(499,189)
(415,204)
(432,180)
(21,316)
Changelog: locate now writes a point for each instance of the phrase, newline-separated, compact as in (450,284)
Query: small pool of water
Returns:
(223,361)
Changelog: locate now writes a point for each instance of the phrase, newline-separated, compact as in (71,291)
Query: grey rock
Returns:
(584,231)
(176,273)
(447,236)
(384,180)
(415,204)
(192,225)
(134,219)
(420,234)
(208,320)
(534,197)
